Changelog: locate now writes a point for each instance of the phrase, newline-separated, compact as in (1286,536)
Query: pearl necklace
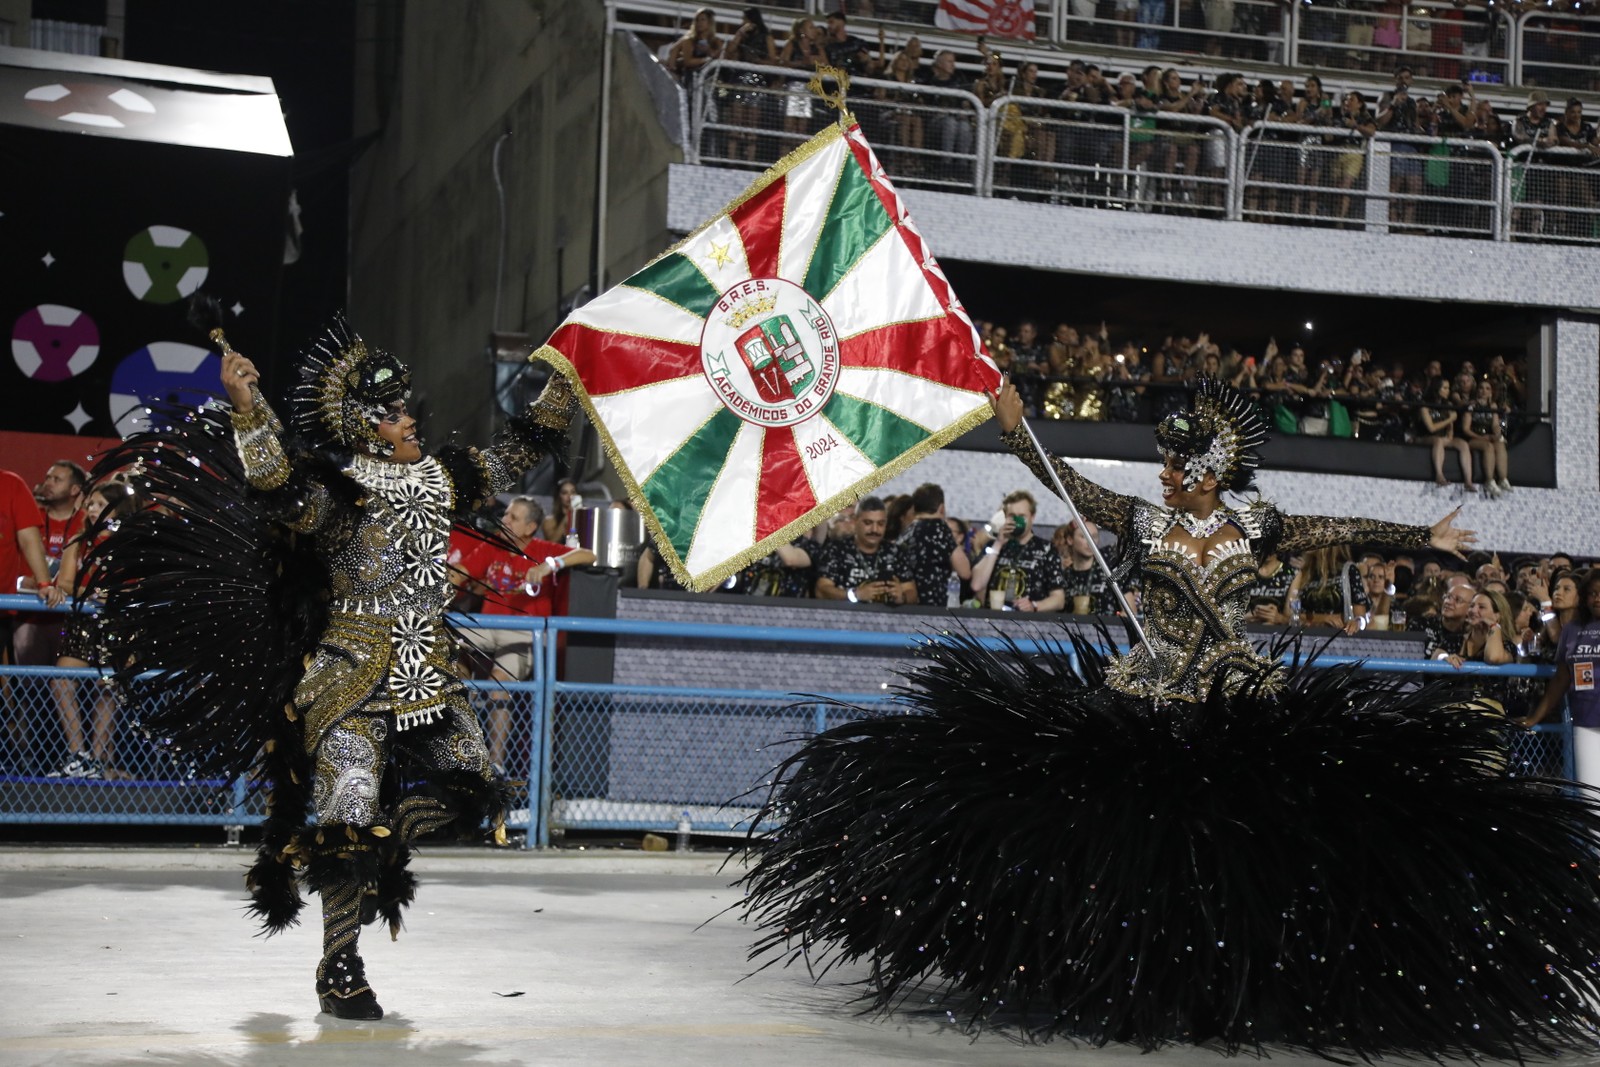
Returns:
(1202,529)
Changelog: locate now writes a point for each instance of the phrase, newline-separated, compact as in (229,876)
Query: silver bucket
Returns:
(614,535)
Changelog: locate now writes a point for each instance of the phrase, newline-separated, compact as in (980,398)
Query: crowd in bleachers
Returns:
(1151,138)
(905,550)
(1470,412)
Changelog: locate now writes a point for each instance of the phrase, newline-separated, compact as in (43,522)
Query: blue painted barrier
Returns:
(592,756)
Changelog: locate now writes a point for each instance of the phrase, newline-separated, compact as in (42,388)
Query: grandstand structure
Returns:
(549,154)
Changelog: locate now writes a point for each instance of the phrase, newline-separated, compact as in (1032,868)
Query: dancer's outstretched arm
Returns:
(1303,532)
(541,428)
(1097,503)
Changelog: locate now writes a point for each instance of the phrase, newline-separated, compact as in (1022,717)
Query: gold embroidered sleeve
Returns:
(1098,504)
(527,438)
(1303,532)
(255,434)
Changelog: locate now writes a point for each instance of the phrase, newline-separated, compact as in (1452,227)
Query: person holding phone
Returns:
(1019,571)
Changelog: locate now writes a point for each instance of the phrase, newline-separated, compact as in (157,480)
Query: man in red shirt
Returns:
(520,582)
(37,640)
(23,568)
(21,541)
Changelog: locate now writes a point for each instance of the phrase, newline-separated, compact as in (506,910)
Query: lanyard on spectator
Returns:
(1061,491)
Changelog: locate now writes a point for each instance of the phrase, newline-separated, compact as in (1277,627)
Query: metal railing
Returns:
(1559,52)
(1095,154)
(750,115)
(1554,195)
(1481,43)
(1321,175)
(1034,148)
(586,756)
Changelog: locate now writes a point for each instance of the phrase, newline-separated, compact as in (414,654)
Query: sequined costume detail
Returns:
(1194,610)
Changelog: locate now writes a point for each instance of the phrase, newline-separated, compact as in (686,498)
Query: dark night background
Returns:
(306,47)
(73,198)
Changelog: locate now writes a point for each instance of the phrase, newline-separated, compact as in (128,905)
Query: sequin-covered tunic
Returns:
(1194,610)
(385,653)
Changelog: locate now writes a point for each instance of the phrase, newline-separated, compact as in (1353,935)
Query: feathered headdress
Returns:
(1222,433)
(344,391)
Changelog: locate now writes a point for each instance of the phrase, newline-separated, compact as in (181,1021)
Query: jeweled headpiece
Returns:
(1221,433)
(345,389)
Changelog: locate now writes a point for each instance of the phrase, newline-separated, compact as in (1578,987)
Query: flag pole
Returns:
(1061,491)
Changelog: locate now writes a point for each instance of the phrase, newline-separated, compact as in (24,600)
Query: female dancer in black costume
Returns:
(1192,842)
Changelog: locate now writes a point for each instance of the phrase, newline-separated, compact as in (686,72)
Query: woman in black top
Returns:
(1438,422)
(748,95)
(801,53)
(1480,425)
(1577,182)
(696,48)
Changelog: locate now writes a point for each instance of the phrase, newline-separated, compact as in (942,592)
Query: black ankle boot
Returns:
(342,988)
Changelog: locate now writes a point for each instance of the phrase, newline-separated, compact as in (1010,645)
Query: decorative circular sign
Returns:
(53,342)
(163,372)
(164,264)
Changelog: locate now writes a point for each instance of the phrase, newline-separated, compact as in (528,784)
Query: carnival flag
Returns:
(786,357)
(997,18)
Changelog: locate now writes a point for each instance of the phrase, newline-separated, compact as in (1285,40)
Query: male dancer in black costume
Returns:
(338,529)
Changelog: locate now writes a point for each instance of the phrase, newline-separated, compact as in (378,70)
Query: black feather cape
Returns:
(1345,866)
(210,605)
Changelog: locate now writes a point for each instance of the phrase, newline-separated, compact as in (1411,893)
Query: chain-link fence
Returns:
(646,758)
(71,753)
(1543,752)
(582,756)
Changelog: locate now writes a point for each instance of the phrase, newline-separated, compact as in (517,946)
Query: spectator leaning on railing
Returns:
(1577,654)
(695,48)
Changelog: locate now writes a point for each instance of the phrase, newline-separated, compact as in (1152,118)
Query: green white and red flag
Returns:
(778,363)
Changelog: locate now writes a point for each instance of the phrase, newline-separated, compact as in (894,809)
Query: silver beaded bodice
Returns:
(393,560)
(1194,609)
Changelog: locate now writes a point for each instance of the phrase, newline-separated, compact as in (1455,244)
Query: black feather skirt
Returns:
(1343,864)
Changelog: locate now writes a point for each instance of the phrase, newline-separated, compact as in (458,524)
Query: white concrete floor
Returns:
(141,957)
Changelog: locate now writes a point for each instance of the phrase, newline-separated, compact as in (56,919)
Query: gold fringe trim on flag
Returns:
(824,509)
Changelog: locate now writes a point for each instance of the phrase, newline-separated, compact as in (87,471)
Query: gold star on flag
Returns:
(720,255)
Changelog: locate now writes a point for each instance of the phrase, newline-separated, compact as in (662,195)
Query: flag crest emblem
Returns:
(770,353)
(789,355)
